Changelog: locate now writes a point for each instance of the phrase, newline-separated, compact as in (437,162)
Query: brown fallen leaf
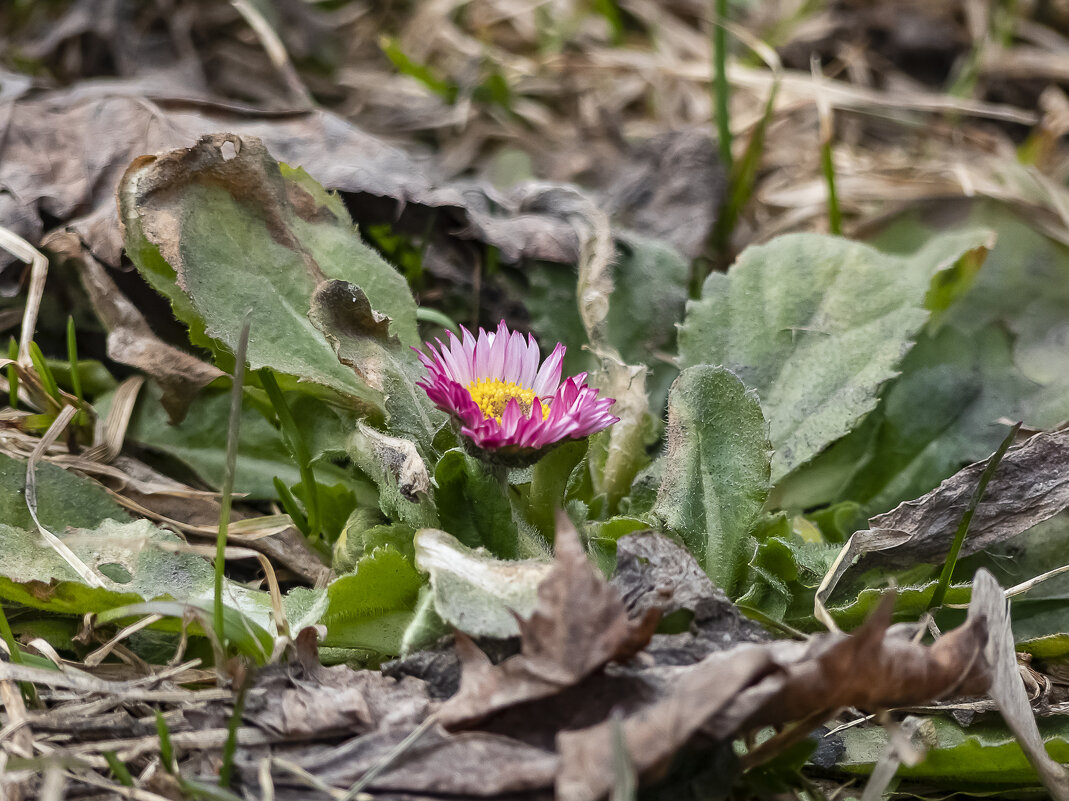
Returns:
(131,340)
(579,625)
(750,686)
(439,764)
(671,189)
(306,701)
(1030,485)
(119,121)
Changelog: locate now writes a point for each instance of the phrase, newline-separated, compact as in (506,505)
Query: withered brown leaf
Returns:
(579,625)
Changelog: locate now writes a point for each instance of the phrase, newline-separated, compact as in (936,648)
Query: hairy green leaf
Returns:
(473,507)
(815,324)
(371,607)
(222,227)
(716,470)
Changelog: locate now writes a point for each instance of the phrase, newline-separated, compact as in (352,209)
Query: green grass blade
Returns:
(72,357)
(29,692)
(118,769)
(44,372)
(966,519)
(12,375)
(166,748)
(298,447)
(290,505)
(228,477)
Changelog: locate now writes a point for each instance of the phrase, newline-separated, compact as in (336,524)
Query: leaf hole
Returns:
(116,572)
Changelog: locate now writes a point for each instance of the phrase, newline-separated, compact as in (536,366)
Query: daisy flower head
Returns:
(510,405)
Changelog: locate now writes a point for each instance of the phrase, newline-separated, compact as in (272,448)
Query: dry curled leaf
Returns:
(131,341)
(750,686)
(1030,485)
(579,625)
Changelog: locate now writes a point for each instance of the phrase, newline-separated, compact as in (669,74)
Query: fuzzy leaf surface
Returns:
(716,470)
(816,324)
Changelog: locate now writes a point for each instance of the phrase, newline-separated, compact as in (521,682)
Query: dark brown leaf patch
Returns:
(579,625)
(1030,485)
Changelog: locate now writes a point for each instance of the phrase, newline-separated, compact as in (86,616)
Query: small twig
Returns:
(394,754)
(60,547)
(24,251)
(276,51)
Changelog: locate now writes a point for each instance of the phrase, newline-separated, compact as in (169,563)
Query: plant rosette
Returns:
(510,406)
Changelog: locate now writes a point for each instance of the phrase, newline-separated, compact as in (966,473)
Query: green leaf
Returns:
(262,453)
(549,482)
(716,471)
(472,505)
(366,530)
(138,562)
(983,756)
(994,353)
(475,592)
(911,601)
(64,500)
(239,629)
(816,324)
(336,502)
(222,227)
(361,339)
(371,607)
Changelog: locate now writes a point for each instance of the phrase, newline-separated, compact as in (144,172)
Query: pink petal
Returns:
(548,378)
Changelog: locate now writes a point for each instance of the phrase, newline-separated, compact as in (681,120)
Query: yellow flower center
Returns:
(492,395)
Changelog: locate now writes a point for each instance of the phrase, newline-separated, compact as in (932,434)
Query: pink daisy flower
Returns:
(507,402)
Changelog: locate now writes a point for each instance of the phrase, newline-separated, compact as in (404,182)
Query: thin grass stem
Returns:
(298,447)
(233,427)
(231,745)
(12,375)
(963,527)
(721,90)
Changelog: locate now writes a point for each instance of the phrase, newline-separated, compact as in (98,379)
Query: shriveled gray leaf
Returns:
(475,592)
(468,765)
(362,339)
(1030,485)
(1007,689)
(121,122)
(652,571)
(397,467)
(671,189)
